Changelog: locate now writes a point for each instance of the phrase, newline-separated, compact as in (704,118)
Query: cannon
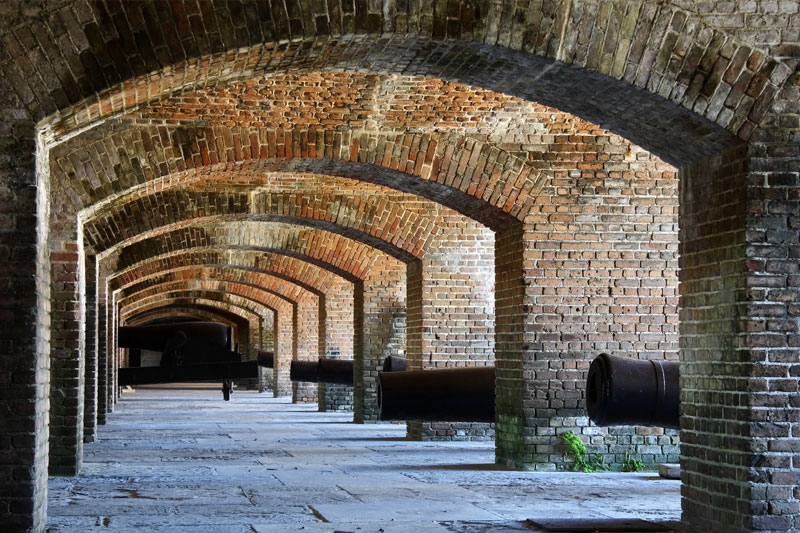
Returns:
(200,342)
(148,375)
(392,363)
(333,371)
(304,371)
(447,395)
(266,359)
(336,371)
(190,351)
(621,391)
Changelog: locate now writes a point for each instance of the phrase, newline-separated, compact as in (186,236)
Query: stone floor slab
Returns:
(183,460)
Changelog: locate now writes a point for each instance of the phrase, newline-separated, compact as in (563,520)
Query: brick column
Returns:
(592,270)
(266,375)
(113,362)
(253,337)
(451,296)
(90,343)
(306,344)
(772,324)
(24,325)
(338,343)
(511,348)
(102,358)
(378,331)
(740,333)
(284,348)
(67,355)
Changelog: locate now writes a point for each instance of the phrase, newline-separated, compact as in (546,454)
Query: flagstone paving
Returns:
(184,460)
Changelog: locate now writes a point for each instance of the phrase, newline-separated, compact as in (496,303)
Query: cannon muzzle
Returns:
(447,395)
(266,359)
(393,363)
(621,391)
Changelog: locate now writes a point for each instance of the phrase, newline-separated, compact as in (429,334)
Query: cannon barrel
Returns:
(157,336)
(621,391)
(304,371)
(266,359)
(447,395)
(392,363)
(336,371)
(213,371)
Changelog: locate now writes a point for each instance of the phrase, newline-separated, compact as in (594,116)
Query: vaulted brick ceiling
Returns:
(318,132)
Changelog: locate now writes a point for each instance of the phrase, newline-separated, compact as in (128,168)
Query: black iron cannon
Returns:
(392,363)
(190,351)
(447,395)
(621,391)
(182,342)
(332,371)
(266,359)
(336,371)
(304,371)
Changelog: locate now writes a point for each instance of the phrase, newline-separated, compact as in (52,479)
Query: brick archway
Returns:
(63,68)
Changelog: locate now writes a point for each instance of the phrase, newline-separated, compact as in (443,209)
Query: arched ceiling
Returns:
(179,129)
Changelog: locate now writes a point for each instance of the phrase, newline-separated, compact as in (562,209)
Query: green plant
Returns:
(632,463)
(577,450)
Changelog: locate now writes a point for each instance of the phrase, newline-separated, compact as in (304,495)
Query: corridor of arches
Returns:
(519,184)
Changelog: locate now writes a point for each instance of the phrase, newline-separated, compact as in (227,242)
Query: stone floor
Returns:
(183,460)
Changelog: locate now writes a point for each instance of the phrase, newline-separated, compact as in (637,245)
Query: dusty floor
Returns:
(185,461)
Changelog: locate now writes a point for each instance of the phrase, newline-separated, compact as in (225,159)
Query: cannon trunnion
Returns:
(446,395)
(621,391)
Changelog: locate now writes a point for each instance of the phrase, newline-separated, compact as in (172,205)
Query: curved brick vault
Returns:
(211,305)
(249,299)
(492,177)
(188,312)
(193,312)
(345,257)
(210,275)
(378,217)
(274,272)
(673,77)
(86,58)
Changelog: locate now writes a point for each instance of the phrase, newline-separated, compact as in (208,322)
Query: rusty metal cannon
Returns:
(621,391)
(190,351)
(447,395)
(392,363)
